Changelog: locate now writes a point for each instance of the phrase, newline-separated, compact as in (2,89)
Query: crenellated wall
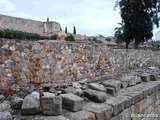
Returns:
(26,25)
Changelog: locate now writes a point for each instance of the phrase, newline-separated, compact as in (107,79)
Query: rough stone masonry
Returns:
(31,26)
(75,80)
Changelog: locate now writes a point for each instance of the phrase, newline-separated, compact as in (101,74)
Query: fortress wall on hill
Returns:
(26,25)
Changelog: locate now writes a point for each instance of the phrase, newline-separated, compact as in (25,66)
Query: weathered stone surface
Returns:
(96,86)
(111,90)
(72,90)
(2,98)
(48,94)
(71,102)
(5,116)
(76,85)
(116,84)
(5,106)
(31,104)
(51,105)
(135,95)
(16,103)
(81,115)
(153,77)
(119,103)
(42,117)
(102,111)
(146,77)
(95,95)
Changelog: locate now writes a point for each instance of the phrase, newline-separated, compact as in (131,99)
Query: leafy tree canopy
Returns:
(138,17)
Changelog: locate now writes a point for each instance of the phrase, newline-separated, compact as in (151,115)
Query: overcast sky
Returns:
(91,17)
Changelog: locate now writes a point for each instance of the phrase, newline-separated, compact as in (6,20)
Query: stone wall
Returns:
(27,66)
(26,25)
(44,61)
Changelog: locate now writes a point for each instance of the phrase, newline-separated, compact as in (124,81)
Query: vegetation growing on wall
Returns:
(70,38)
(15,34)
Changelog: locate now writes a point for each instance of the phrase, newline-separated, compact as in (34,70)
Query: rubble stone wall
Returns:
(36,62)
(26,25)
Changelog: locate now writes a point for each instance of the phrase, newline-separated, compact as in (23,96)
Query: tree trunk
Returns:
(136,44)
(127,45)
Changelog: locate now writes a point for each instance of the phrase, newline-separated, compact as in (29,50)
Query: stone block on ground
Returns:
(51,105)
(95,96)
(119,103)
(2,97)
(31,104)
(146,77)
(153,77)
(130,80)
(71,102)
(73,90)
(5,116)
(135,95)
(5,106)
(124,83)
(113,83)
(102,111)
(111,90)
(16,103)
(98,87)
(42,117)
(81,115)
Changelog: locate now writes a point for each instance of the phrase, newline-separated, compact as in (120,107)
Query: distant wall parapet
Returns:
(26,25)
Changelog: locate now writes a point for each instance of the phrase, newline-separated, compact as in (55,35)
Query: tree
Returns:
(138,17)
(119,34)
(66,29)
(74,30)
(60,28)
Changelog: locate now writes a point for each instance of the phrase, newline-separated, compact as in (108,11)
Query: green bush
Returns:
(97,41)
(94,39)
(108,39)
(53,37)
(10,34)
(70,38)
(44,38)
(1,34)
(89,39)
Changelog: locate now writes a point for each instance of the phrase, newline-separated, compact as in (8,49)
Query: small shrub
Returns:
(44,38)
(94,39)
(108,39)
(70,38)
(97,41)
(53,37)
(89,39)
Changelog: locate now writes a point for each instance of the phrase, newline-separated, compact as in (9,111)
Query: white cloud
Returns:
(90,17)
(7,5)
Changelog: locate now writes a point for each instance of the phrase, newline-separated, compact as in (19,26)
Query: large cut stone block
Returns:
(81,115)
(117,103)
(135,95)
(95,95)
(102,111)
(71,102)
(51,105)
(116,84)
(31,104)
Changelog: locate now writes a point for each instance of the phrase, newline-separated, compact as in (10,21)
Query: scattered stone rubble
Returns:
(94,102)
